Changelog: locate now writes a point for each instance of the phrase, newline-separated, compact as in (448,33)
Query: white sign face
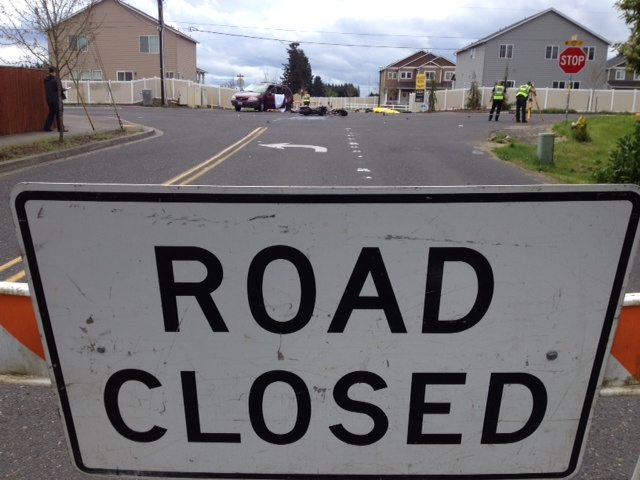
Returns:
(312,333)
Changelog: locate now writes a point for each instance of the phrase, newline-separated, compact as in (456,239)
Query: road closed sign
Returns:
(327,332)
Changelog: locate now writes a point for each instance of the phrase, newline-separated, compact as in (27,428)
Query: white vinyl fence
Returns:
(184,92)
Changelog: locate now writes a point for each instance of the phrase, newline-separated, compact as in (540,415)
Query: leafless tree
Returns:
(49,32)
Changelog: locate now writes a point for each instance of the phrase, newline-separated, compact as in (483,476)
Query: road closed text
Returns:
(368,265)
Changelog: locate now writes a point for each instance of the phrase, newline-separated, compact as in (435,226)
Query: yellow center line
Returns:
(18,276)
(10,264)
(196,172)
(183,179)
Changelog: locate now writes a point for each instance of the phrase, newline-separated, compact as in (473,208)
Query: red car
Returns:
(262,96)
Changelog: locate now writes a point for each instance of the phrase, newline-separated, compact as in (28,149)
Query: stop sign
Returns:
(572,60)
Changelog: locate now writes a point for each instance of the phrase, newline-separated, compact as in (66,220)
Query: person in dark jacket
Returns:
(53,92)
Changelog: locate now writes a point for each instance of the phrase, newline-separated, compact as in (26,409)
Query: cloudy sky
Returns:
(347,41)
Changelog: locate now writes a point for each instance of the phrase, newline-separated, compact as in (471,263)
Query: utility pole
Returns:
(161,48)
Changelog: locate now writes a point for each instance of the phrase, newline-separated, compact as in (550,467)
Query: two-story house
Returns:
(398,80)
(619,77)
(126,46)
(528,51)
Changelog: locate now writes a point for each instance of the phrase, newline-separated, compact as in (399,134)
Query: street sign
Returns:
(327,332)
(572,60)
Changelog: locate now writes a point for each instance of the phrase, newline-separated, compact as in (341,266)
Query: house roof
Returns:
(154,20)
(527,20)
(618,61)
(142,14)
(420,59)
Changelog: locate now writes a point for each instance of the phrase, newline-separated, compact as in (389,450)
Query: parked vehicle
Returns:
(262,96)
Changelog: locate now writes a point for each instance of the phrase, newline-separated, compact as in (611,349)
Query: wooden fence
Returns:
(23,106)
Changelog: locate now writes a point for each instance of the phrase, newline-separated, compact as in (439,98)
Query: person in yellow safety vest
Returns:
(498,98)
(521,101)
(306,99)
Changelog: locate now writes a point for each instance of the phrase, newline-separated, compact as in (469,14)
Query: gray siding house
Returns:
(618,77)
(528,51)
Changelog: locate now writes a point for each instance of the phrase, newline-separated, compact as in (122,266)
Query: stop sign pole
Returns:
(571,61)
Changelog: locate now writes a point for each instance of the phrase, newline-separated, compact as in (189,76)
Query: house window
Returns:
(78,43)
(506,51)
(590,51)
(563,84)
(448,76)
(124,76)
(430,75)
(86,75)
(406,75)
(392,75)
(168,75)
(620,74)
(472,53)
(510,84)
(551,52)
(636,76)
(149,44)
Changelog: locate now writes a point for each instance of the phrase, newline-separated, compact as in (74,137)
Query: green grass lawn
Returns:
(574,162)
(13,152)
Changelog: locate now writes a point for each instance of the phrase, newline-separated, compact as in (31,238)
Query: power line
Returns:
(291,30)
(309,42)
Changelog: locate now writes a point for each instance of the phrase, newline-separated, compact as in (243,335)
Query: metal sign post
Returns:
(395,333)
(571,61)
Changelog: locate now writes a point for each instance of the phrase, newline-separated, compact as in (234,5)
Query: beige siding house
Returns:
(398,80)
(125,46)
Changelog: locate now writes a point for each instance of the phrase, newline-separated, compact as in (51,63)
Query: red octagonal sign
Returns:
(572,60)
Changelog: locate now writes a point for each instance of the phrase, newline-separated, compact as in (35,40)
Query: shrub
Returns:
(624,162)
(579,129)
(474,95)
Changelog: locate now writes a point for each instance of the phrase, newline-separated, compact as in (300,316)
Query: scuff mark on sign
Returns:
(262,217)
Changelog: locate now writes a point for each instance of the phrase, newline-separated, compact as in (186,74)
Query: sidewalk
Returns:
(76,121)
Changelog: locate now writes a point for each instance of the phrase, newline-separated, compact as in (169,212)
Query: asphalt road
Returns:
(362,149)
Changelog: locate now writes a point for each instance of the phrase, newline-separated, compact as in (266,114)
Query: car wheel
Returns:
(238,108)
(260,107)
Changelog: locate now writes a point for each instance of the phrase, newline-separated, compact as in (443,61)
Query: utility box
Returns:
(147,101)
(546,143)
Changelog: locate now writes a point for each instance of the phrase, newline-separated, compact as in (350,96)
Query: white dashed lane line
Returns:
(357,151)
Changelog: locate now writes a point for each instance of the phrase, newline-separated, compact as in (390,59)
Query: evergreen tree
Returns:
(343,90)
(630,49)
(297,71)
(318,89)
(474,95)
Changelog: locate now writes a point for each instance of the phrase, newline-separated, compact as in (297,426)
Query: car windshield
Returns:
(256,87)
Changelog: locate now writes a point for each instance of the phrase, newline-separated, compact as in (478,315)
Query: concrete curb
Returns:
(32,160)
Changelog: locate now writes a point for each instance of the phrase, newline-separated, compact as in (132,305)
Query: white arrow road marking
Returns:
(282,146)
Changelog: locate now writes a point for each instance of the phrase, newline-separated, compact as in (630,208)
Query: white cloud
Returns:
(442,27)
